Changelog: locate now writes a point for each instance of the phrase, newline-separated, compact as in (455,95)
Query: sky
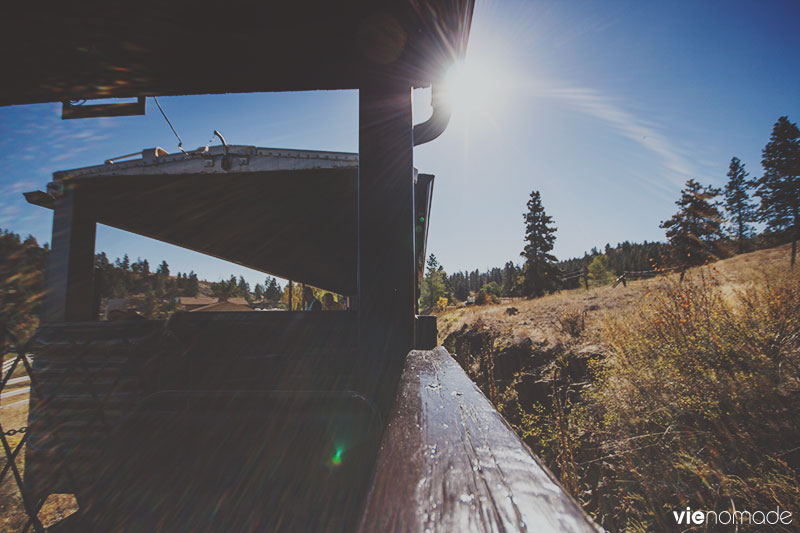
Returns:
(606,108)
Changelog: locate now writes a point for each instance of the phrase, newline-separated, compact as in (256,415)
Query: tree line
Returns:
(711,223)
(154,293)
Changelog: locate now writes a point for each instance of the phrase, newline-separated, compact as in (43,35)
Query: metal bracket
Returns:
(123,109)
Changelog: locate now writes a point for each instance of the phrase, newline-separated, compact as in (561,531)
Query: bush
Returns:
(572,321)
(696,405)
(599,271)
(486,297)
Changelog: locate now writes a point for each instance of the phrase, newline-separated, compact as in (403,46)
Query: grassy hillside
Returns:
(656,396)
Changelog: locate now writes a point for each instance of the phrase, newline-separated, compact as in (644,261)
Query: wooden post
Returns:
(70,270)
(385,232)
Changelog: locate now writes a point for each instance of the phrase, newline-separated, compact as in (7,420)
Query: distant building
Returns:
(190,303)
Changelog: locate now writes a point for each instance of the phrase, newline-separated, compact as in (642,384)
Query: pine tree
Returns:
(509,279)
(737,203)
(258,292)
(243,289)
(541,273)
(433,285)
(779,187)
(192,284)
(272,291)
(694,230)
(163,269)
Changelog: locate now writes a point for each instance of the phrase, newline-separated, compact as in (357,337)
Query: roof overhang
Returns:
(61,51)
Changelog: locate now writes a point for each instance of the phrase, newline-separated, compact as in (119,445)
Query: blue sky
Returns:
(607,108)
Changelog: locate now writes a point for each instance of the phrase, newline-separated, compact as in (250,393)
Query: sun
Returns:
(475,87)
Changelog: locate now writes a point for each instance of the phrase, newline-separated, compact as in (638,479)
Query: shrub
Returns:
(696,404)
(485,297)
(572,321)
(600,272)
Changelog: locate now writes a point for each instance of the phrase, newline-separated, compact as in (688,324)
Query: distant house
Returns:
(190,303)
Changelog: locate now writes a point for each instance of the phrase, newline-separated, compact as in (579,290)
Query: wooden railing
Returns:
(449,462)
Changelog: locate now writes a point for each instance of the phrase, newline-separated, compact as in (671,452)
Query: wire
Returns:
(180,142)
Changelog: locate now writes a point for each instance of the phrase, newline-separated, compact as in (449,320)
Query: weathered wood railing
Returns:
(449,462)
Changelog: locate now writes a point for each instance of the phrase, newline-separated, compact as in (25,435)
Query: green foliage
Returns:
(694,231)
(624,256)
(258,292)
(21,283)
(537,427)
(433,285)
(272,291)
(297,296)
(599,271)
(488,294)
(541,273)
(779,186)
(163,268)
(227,289)
(737,203)
(461,284)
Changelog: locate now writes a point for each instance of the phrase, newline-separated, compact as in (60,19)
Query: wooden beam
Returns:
(386,274)
(449,462)
(70,270)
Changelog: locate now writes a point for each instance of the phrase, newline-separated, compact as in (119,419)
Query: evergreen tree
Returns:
(541,273)
(737,203)
(272,291)
(433,285)
(163,269)
(223,290)
(192,284)
(509,279)
(243,289)
(694,230)
(258,292)
(779,187)
(150,304)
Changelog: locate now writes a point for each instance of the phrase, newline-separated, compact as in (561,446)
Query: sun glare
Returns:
(475,87)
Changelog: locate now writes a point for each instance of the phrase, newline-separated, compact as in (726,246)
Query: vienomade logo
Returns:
(732,517)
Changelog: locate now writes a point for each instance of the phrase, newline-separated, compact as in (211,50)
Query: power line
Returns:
(180,142)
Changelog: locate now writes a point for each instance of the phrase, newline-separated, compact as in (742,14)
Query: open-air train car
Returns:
(340,421)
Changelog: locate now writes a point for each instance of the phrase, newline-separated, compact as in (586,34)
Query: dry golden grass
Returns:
(539,319)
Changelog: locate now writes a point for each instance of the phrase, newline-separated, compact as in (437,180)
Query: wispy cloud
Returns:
(598,105)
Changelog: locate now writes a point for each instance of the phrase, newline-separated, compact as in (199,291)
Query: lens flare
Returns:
(336,459)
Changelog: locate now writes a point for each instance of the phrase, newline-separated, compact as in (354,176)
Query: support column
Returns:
(70,270)
(385,232)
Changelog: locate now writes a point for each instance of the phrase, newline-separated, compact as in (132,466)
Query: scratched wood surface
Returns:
(450,462)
